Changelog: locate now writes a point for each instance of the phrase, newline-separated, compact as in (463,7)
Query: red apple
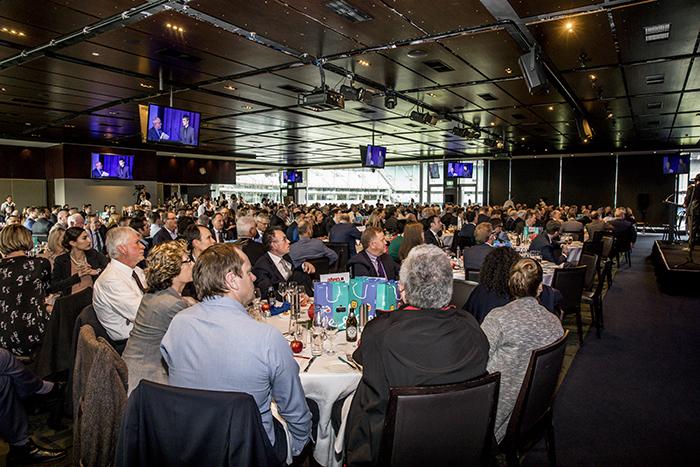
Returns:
(311,312)
(297,346)
(265,306)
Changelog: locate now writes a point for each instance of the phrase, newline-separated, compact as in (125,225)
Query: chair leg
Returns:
(551,448)
(579,326)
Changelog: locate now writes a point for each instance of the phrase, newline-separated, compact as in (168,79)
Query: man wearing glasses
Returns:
(169,230)
(276,266)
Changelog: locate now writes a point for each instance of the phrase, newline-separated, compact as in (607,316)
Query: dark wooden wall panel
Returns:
(532,179)
(498,181)
(588,180)
(189,170)
(23,162)
(642,186)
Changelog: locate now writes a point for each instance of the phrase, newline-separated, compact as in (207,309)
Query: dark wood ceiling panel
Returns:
(690,102)
(694,78)
(682,16)
(654,105)
(486,96)
(490,52)
(526,8)
(673,75)
(606,83)
(518,89)
(97,8)
(443,15)
(590,38)
(688,119)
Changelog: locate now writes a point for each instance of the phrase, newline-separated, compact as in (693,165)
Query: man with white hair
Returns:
(119,289)
(246,229)
(426,342)
(76,220)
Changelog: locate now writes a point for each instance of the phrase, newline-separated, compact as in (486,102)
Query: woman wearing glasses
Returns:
(169,269)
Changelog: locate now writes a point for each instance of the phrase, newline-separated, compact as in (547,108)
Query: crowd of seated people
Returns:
(174,280)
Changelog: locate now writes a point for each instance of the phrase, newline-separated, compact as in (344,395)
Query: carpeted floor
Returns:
(633,397)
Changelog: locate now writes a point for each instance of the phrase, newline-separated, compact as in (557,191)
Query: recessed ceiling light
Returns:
(27,123)
(168,25)
(3,89)
(509,70)
(363,62)
(550,108)
(522,139)
(493,124)
(147,86)
(248,107)
(569,26)
(229,87)
(14,32)
(95,54)
(431,94)
(111,112)
(593,77)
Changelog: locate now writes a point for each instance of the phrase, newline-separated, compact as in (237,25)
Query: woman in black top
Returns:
(77,269)
(24,283)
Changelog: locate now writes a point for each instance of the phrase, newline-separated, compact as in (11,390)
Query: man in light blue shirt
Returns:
(216,345)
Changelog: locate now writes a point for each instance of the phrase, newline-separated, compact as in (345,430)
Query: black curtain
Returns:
(588,180)
(532,179)
(642,185)
(498,181)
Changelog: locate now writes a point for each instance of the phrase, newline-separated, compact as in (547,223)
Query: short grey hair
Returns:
(426,276)
(116,237)
(73,220)
(244,225)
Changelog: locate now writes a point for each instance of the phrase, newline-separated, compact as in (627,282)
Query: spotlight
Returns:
(466,132)
(533,71)
(585,131)
(390,100)
(351,93)
(424,118)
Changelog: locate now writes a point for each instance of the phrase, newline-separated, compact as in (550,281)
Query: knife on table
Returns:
(310,362)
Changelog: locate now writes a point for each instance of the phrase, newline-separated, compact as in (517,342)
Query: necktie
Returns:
(138,281)
(380,268)
(218,236)
(287,270)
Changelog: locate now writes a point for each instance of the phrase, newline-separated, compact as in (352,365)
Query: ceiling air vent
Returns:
(488,96)
(655,105)
(178,54)
(519,116)
(439,66)
(658,32)
(414,125)
(366,110)
(349,12)
(653,123)
(292,88)
(654,79)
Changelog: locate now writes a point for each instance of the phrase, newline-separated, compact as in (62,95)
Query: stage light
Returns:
(351,93)
(533,71)
(390,100)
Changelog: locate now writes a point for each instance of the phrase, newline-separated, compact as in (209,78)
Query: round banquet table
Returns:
(326,381)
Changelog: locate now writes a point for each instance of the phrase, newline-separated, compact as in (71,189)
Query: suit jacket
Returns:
(474,256)
(99,173)
(396,350)
(467,232)
(345,233)
(572,226)
(482,218)
(225,235)
(41,227)
(310,248)
(252,249)
(549,251)
(161,236)
(362,266)
(187,135)
(267,275)
(153,134)
(597,225)
(431,239)
(62,280)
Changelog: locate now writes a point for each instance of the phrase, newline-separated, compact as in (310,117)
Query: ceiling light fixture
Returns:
(390,100)
(425,118)
(467,132)
(229,87)
(593,77)
(493,123)
(363,62)
(569,26)
(550,108)
(533,71)
(147,86)
(95,54)
(351,93)
(508,70)
(416,53)
(432,94)
(247,107)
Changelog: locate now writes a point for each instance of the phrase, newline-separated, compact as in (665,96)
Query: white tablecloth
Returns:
(327,381)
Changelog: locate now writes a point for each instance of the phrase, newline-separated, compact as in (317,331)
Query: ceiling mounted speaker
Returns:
(533,71)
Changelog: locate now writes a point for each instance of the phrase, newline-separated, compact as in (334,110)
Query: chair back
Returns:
(228,432)
(608,244)
(343,251)
(623,241)
(88,316)
(461,290)
(598,235)
(322,266)
(473,276)
(591,263)
(576,235)
(534,402)
(445,425)
(569,281)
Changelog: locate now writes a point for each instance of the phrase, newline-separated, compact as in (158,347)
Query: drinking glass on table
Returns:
(328,334)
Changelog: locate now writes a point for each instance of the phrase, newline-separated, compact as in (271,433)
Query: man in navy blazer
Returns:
(345,232)
(309,248)
(373,260)
(475,255)
(275,266)
(548,246)
(432,234)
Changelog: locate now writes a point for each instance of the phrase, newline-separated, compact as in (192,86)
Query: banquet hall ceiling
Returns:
(243,63)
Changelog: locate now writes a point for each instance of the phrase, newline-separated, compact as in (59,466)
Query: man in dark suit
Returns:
(433,232)
(246,228)
(467,232)
(475,255)
(373,260)
(623,228)
(276,266)
(483,216)
(548,246)
(123,170)
(155,133)
(279,219)
(449,218)
(217,229)
(596,225)
(186,131)
(98,240)
(345,232)
(97,172)
(169,230)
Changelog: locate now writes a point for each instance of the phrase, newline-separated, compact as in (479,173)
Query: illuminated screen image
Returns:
(373,156)
(172,126)
(111,166)
(434,170)
(678,164)
(459,169)
(292,176)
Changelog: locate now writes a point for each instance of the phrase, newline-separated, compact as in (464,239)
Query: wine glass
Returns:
(328,335)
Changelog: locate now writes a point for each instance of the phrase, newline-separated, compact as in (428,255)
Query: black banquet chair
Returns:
(531,419)
(570,282)
(445,425)
(321,265)
(343,251)
(461,290)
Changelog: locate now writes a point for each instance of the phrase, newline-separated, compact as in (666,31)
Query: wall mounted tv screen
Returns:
(677,164)
(434,170)
(292,176)
(459,169)
(111,166)
(373,156)
(172,126)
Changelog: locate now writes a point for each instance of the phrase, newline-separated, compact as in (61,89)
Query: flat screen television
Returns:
(373,156)
(677,164)
(168,125)
(292,176)
(460,169)
(111,166)
(434,170)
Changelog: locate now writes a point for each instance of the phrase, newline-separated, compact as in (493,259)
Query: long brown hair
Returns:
(412,236)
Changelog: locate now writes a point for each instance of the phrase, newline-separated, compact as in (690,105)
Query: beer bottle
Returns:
(351,326)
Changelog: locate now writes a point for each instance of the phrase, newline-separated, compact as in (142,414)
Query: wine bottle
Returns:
(351,326)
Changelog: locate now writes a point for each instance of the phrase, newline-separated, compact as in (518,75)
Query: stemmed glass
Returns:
(328,335)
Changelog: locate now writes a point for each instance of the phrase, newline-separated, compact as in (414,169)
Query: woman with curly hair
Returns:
(169,269)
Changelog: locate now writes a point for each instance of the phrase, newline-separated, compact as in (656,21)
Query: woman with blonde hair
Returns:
(514,331)
(24,282)
(412,236)
(54,247)
(168,269)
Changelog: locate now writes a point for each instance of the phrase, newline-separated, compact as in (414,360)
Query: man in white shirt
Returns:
(119,289)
